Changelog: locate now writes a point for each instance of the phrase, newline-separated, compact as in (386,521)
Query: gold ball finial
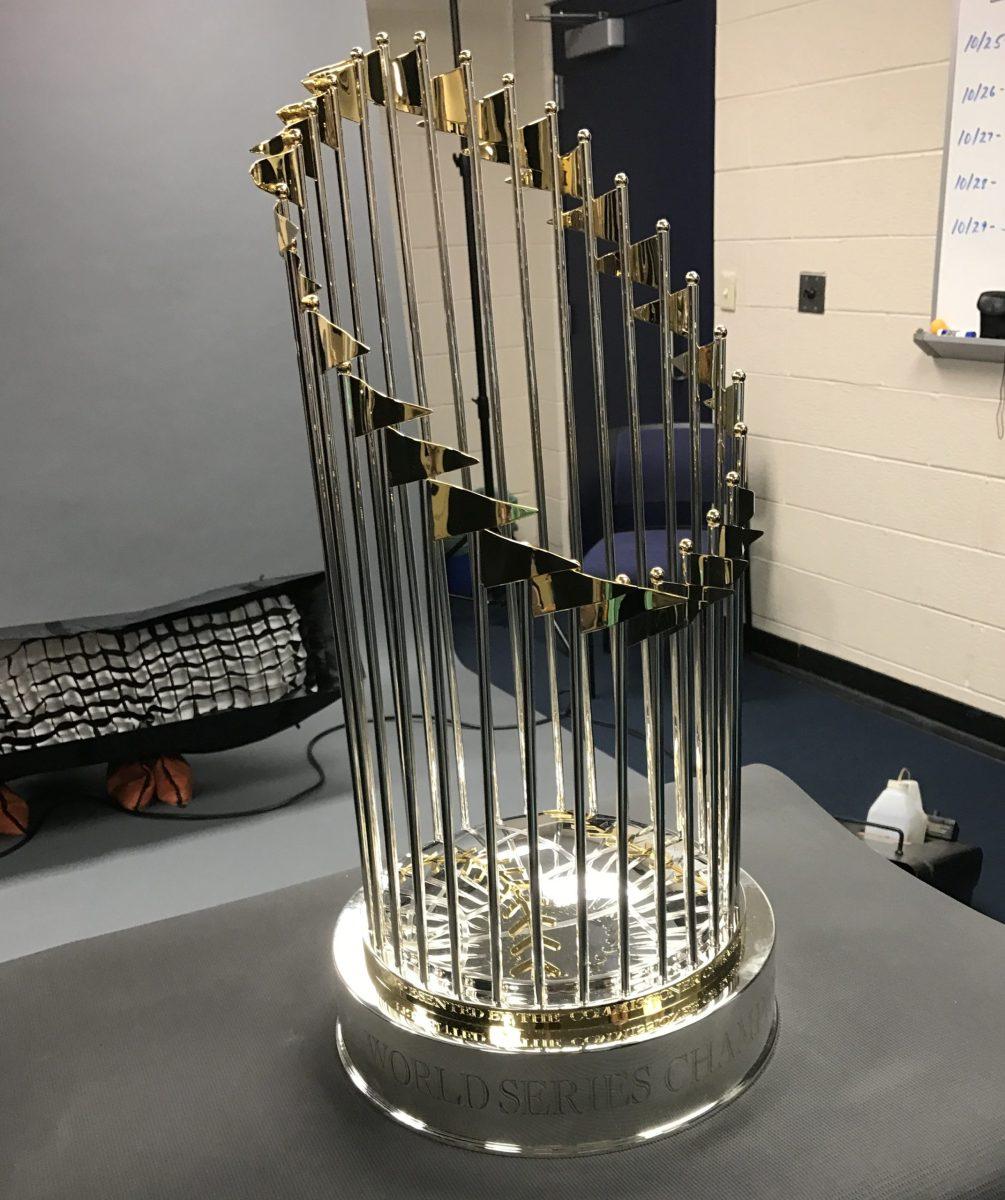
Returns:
(419,37)
(732,479)
(622,578)
(508,77)
(621,179)
(464,56)
(310,302)
(381,39)
(356,53)
(550,107)
(662,225)
(719,332)
(282,190)
(740,429)
(739,376)
(713,519)
(692,277)
(685,545)
(656,576)
(584,135)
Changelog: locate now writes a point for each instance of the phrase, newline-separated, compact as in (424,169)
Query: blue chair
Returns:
(653,482)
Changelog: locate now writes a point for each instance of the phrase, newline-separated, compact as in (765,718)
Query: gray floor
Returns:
(92,870)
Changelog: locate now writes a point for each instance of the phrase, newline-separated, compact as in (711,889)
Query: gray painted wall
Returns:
(152,442)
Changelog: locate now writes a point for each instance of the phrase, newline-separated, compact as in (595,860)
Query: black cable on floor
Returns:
(276,806)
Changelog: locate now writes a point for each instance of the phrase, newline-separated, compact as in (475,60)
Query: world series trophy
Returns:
(528,967)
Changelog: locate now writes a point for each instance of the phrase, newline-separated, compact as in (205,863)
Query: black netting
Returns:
(175,668)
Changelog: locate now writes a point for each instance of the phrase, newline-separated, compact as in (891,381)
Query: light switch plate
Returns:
(727,291)
(811,292)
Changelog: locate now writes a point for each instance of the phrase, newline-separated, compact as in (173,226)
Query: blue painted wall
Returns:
(651,110)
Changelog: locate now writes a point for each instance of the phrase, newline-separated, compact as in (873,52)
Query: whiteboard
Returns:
(971,247)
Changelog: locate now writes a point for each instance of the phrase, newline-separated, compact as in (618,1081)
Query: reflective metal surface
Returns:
(508,915)
(592,1086)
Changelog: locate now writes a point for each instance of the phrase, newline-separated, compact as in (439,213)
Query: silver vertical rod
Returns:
(489,782)
(719,619)
(357,513)
(617,639)
(408,547)
(684,712)
(481,619)
(454,360)
(335,582)
(675,643)
(442,249)
(472,117)
(388,536)
(739,607)
(599,380)
(533,845)
(713,760)
(583,767)
(730,712)
(438,594)
(740,451)
(324,414)
(603,429)
(718,399)
(597,353)
(696,632)
(479,597)
(621,772)
(437,600)
(519,616)
(534,401)
(694,407)
(656,577)
(650,697)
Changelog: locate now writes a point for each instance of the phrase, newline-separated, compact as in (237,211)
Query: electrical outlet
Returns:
(811,292)
(727,291)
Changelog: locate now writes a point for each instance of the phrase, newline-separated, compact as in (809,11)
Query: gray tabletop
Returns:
(194,1057)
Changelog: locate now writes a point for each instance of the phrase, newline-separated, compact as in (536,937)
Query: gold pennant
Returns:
(373,410)
(505,560)
(373,76)
(337,89)
(659,621)
(298,110)
(682,363)
(286,232)
(605,218)
(493,136)
(602,603)
(643,260)
(537,168)
(458,510)
(276,171)
(338,346)
(407,83)
(410,459)
(743,505)
(449,109)
(677,302)
(571,173)
(302,126)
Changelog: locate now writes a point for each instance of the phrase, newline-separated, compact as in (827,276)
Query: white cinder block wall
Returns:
(880,479)
(501,41)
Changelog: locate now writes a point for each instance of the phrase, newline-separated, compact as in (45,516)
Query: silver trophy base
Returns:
(571,1100)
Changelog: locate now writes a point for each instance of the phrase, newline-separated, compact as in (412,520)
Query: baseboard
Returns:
(982,730)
